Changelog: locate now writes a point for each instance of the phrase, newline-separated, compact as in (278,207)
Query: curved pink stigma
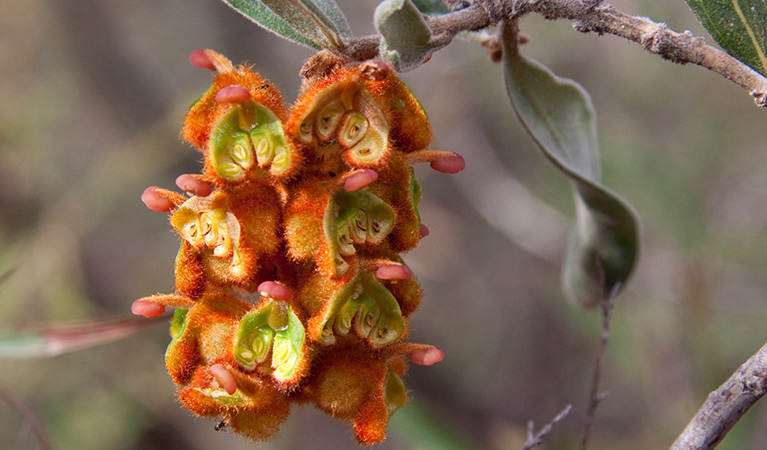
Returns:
(393,272)
(193,185)
(146,308)
(224,377)
(449,164)
(232,94)
(200,59)
(156,202)
(427,357)
(424,231)
(359,180)
(274,290)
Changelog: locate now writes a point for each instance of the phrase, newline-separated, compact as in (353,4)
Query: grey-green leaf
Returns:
(263,16)
(431,7)
(314,23)
(739,26)
(406,37)
(560,118)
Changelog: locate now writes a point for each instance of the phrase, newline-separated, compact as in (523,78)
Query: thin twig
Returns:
(586,16)
(726,405)
(595,398)
(20,405)
(537,439)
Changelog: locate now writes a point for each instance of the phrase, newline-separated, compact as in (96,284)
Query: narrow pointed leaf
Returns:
(558,115)
(316,23)
(406,36)
(55,339)
(258,12)
(739,26)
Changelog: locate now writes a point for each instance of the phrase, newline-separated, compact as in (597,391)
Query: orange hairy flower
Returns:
(290,287)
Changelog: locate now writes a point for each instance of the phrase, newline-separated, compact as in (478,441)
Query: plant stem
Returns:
(595,398)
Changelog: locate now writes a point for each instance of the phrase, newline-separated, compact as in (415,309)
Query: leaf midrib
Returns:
(751,35)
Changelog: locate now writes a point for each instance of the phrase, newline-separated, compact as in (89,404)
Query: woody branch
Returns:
(726,405)
(587,16)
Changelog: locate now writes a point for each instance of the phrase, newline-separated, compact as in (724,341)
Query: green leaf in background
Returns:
(431,7)
(560,118)
(423,430)
(739,26)
(54,339)
(406,36)
(314,23)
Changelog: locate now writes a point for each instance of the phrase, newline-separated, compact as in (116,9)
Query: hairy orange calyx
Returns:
(290,287)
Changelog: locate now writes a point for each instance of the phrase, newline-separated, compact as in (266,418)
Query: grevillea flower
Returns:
(289,282)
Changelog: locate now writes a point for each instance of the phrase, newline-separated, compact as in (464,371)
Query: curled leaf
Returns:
(559,117)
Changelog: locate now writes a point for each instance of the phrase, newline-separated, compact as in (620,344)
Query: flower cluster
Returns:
(290,287)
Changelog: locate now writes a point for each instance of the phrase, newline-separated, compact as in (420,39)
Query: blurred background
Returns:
(92,96)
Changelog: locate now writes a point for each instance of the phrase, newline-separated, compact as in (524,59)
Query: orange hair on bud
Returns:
(206,111)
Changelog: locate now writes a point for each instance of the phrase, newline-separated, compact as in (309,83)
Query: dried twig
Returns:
(537,439)
(726,405)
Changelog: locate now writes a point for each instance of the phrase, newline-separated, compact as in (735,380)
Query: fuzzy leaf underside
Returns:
(739,26)
(405,35)
(314,23)
(558,114)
